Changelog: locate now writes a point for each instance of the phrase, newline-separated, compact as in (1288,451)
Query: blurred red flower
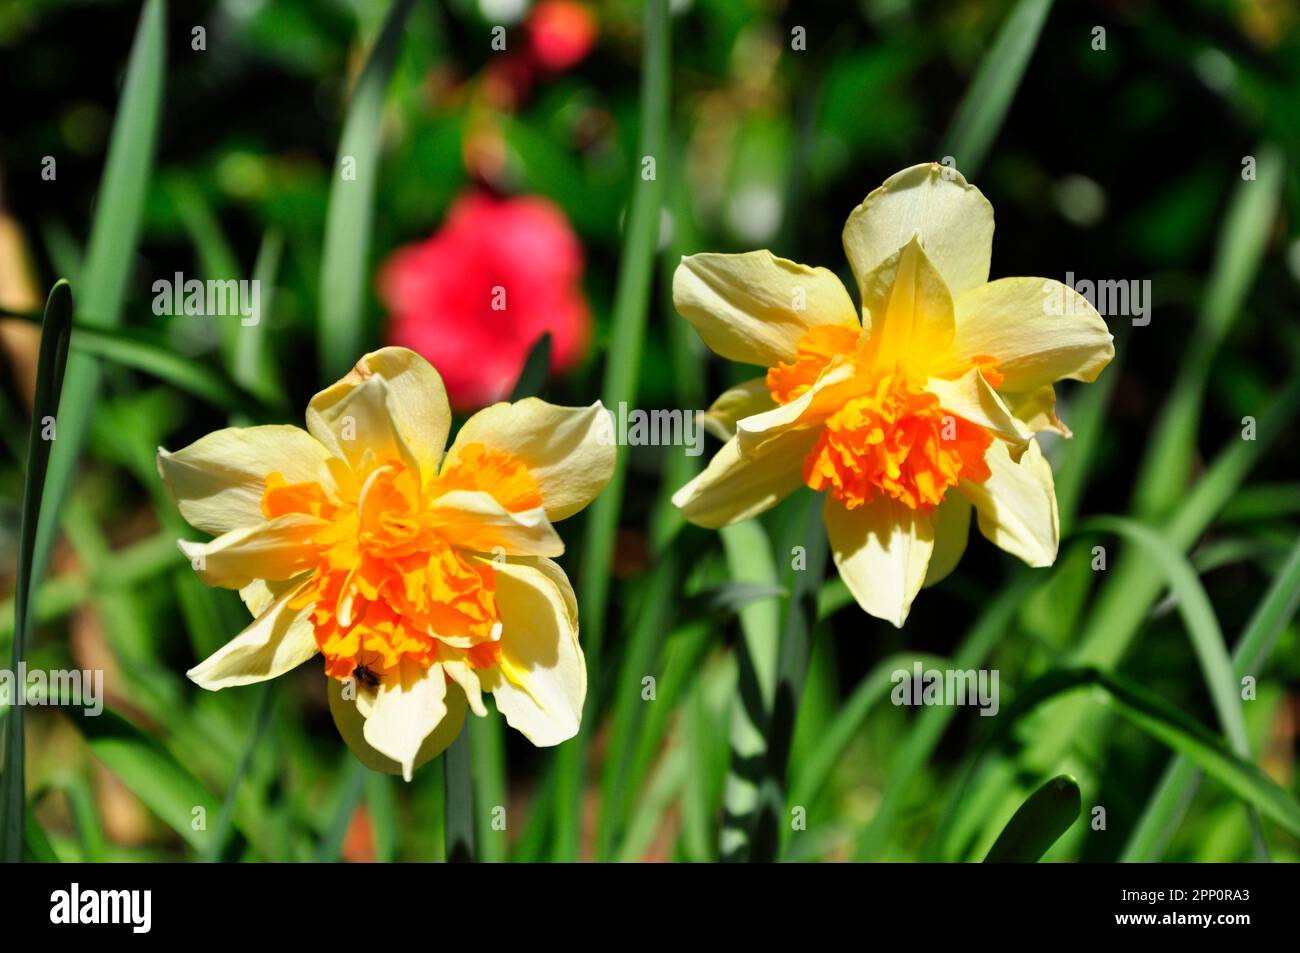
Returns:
(561,33)
(476,295)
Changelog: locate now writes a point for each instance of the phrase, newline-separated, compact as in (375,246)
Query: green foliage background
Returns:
(771,687)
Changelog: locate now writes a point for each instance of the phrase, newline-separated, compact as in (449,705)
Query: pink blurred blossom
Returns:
(476,295)
(561,33)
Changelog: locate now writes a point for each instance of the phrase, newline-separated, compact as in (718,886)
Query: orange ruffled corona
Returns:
(387,586)
(891,436)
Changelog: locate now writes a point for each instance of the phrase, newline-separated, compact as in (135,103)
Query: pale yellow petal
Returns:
(351,723)
(569,451)
(971,398)
(754,307)
(836,384)
(466,676)
(279,639)
(218,481)
(954,219)
(734,487)
(404,712)
(555,573)
(540,682)
(882,550)
(907,309)
(260,593)
(359,425)
(475,520)
(736,403)
(274,549)
(951,531)
(1038,330)
(418,402)
(1037,408)
(1016,505)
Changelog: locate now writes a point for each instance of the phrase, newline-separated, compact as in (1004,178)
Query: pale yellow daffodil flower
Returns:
(423,579)
(908,420)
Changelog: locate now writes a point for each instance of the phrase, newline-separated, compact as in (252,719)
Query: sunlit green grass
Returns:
(756,745)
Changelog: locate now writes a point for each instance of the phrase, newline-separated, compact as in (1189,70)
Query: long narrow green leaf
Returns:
(629,705)
(537,365)
(487,741)
(1172,446)
(1039,823)
(749,559)
(216,257)
(1198,616)
(631,304)
(989,96)
(1132,589)
(51,363)
(811,776)
(792,668)
(1171,727)
(221,832)
(1165,809)
(1203,629)
(991,624)
(381,804)
(345,259)
(138,352)
(112,247)
(254,368)
(352,785)
(457,764)
(151,773)
(36,846)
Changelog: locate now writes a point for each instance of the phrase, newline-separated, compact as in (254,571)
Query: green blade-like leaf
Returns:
(622,369)
(800,616)
(811,776)
(1198,616)
(221,830)
(1171,447)
(532,377)
(36,846)
(216,258)
(153,775)
(1041,820)
(138,352)
(381,805)
(1170,726)
(989,96)
(643,645)
(1131,589)
(255,368)
(1166,808)
(457,763)
(352,784)
(51,363)
(347,222)
(749,559)
(991,624)
(112,247)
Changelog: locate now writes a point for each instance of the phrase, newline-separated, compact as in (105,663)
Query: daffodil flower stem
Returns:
(458,774)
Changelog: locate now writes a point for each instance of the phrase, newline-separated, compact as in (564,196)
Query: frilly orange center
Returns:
(886,434)
(388,588)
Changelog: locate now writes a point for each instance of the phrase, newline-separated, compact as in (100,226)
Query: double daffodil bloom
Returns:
(908,420)
(423,579)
